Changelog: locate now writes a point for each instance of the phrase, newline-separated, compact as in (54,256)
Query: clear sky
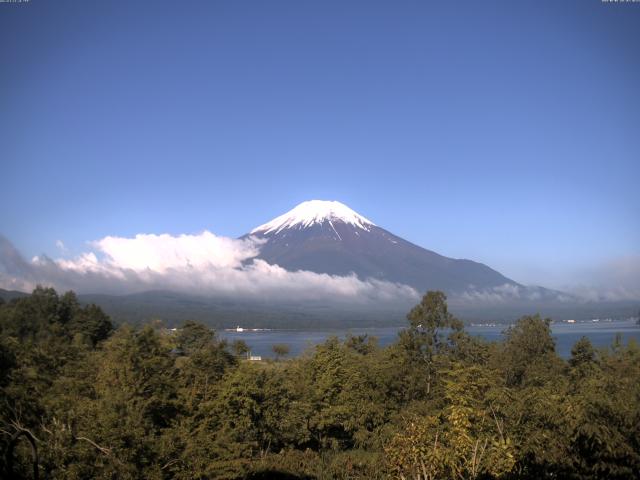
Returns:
(505,132)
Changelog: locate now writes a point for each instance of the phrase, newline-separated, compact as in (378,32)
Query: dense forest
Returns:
(80,398)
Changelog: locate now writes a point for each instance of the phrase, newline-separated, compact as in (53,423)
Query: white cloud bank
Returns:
(200,264)
(207,264)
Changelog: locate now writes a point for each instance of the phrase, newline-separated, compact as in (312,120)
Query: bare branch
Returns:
(106,451)
(497,423)
(169,463)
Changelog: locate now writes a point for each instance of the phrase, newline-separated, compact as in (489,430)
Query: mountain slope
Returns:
(8,295)
(329,237)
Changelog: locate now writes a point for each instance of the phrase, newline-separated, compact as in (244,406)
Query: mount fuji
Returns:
(329,237)
(326,238)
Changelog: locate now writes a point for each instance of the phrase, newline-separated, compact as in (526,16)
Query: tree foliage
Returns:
(93,401)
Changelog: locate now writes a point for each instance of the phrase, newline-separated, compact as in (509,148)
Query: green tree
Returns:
(529,351)
(424,339)
(135,399)
(583,359)
(363,344)
(603,417)
(240,348)
(582,353)
(90,323)
(465,440)
(281,350)
(193,336)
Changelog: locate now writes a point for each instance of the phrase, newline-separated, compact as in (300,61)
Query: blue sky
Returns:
(505,132)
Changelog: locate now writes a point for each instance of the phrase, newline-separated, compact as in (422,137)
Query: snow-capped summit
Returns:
(314,212)
(329,237)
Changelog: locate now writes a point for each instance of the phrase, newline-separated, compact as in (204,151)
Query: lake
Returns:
(601,334)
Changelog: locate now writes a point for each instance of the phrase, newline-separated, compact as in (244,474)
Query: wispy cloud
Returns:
(204,264)
(616,279)
(509,293)
(61,246)
(612,281)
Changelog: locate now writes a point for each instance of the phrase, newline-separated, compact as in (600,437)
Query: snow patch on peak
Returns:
(315,211)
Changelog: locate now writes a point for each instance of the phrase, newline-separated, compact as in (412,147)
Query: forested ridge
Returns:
(80,398)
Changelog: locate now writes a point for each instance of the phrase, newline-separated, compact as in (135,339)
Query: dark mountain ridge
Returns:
(338,248)
(329,237)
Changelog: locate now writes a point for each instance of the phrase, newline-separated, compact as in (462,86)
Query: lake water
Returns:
(601,334)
